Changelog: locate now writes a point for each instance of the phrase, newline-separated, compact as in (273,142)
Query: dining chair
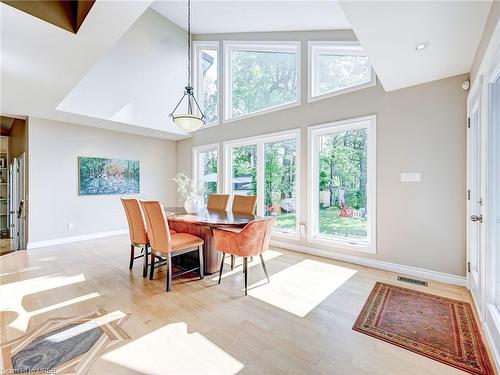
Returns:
(165,246)
(137,231)
(250,241)
(217,202)
(244,204)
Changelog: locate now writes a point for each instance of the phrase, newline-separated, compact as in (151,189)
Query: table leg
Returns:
(211,256)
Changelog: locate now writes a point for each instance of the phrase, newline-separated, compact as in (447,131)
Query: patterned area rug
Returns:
(64,345)
(439,328)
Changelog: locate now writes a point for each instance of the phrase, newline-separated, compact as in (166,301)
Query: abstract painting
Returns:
(108,176)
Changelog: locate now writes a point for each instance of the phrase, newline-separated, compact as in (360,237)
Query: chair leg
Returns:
(152,266)
(169,273)
(245,270)
(200,260)
(264,267)
(232,262)
(132,251)
(145,262)
(221,267)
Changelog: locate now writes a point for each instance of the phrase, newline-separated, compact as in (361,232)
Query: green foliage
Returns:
(262,80)
(343,158)
(337,72)
(280,171)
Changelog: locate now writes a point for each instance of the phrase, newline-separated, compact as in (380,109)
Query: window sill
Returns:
(347,90)
(338,243)
(262,112)
(288,235)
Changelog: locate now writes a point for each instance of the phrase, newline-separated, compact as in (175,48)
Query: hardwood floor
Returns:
(299,323)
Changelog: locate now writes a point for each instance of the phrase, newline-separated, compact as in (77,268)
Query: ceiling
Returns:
(256,15)
(42,63)
(390,31)
(125,73)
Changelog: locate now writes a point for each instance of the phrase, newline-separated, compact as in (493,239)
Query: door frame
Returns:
(488,73)
(474,114)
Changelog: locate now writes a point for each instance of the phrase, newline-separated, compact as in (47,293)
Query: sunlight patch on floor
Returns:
(173,350)
(268,255)
(12,295)
(301,287)
(85,327)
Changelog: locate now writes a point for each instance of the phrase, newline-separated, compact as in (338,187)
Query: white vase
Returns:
(192,205)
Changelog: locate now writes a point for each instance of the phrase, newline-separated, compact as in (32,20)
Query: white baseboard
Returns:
(387,266)
(83,237)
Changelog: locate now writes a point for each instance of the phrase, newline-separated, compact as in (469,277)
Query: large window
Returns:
(206,65)
(336,68)
(206,168)
(260,77)
(342,184)
(268,167)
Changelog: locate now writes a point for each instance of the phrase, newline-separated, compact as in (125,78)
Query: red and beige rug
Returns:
(439,328)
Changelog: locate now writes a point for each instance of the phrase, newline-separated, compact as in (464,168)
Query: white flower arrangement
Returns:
(188,188)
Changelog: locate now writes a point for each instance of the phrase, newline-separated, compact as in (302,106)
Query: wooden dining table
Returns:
(202,224)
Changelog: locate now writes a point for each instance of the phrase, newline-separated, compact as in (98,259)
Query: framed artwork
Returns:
(98,176)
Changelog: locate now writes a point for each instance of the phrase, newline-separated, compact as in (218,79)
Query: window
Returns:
(267,166)
(260,77)
(342,184)
(206,168)
(206,79)
(336,68)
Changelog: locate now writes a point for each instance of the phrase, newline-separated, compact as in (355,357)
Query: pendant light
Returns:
(189,121)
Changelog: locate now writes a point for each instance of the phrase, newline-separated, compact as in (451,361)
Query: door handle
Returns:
(477,218)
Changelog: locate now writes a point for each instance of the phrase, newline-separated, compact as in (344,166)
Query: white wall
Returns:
(489,29)
(419,129)
(54,202)
(139,80)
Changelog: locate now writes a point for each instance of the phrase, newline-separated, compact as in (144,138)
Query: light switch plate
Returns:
(411,177)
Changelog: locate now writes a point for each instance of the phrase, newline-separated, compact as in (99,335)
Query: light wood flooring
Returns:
(300,323)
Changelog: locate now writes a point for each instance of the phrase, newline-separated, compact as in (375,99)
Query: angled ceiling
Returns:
(252,16)
(389,31)
(126,72)
(42,64)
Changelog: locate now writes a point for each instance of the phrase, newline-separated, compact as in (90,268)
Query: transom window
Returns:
(336,68)
(206,65)
(260,77)
(267,167)
(342,184)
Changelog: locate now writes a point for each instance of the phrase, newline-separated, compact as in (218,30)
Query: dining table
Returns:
(202,224)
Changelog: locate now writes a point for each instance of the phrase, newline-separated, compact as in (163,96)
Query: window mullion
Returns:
(260,178)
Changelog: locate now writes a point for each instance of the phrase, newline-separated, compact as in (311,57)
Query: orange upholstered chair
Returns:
(251,241)
(137,231)
(165,245)
(244,204)
(217,202)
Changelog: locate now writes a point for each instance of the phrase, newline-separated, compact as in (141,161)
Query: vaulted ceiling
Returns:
(125,67)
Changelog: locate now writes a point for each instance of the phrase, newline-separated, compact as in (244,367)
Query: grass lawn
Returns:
(330,223)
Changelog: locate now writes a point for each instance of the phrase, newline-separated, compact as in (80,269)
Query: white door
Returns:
(21,209)
(475,199)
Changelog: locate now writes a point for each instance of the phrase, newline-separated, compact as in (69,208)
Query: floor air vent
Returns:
(412,281)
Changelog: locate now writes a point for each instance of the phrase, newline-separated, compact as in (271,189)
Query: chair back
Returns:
(136,225)
(244,204)
(254,239)
(217,202)
(157,226)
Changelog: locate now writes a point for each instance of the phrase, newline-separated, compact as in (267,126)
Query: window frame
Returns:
(348,48)
(278,46)
(197,47)
(260,142)
(313,235)
(196,151)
